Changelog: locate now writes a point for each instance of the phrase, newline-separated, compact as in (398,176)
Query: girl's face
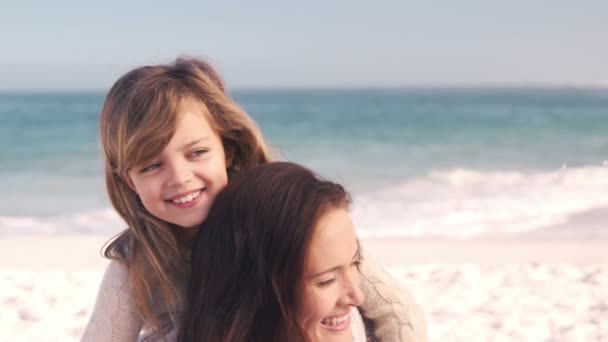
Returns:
(180,184)
(331,279)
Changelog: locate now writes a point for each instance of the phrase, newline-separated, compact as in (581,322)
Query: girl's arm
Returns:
(115,316)
(393,311)
(357,326)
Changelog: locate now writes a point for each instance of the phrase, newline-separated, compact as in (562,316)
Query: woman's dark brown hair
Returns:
(248,260)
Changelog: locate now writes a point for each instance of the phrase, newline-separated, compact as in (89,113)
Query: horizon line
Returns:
(446,86)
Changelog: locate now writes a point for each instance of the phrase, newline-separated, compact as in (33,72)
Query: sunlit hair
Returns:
(138,120)
(248,260)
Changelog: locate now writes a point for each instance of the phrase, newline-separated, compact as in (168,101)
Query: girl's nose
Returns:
(179,174)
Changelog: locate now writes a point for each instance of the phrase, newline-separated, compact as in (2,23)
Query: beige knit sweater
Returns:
(392,311)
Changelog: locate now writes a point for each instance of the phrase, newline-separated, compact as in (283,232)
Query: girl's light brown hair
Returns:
(138,120)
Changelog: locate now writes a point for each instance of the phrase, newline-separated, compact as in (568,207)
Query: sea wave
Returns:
(102,222)
(466,202)
(458,203)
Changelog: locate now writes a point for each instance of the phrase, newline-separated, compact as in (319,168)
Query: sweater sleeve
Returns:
(115,316)
(394,313)
(357,326)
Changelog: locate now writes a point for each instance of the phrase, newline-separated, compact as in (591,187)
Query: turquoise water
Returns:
(383,144)
(412,132)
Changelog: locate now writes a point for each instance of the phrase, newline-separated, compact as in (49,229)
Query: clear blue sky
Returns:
(84,45)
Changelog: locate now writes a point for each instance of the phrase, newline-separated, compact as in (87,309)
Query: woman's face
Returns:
(331,279)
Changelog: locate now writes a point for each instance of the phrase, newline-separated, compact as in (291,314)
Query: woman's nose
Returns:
(353,289)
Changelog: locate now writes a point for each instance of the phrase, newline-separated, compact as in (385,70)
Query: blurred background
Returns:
(473,136)
(456,119)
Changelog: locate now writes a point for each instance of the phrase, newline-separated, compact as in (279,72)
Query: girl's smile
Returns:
(187,200)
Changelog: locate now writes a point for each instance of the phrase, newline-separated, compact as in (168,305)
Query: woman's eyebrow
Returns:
(335,268)
(355,257)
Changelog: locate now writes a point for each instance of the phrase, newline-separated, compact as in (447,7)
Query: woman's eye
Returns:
(327,282)
(356,263)
(150,167)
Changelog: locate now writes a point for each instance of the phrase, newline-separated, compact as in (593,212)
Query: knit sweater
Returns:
(393,314)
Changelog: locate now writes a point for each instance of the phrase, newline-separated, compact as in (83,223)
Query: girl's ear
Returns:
(129,182)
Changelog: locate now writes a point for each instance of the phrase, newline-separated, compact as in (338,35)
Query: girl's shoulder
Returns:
(116,275)
(116,291)
(115,315)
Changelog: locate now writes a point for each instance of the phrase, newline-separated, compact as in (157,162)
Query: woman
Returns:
(276,260)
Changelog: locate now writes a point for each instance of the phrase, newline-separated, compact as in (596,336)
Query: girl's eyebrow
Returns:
(195,142)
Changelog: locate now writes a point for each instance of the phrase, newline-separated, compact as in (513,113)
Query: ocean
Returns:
(452,162)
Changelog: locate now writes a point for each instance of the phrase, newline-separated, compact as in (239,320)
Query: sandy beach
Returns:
(492,289)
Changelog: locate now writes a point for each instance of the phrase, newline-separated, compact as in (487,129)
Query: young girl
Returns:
(277,259)
(172,140)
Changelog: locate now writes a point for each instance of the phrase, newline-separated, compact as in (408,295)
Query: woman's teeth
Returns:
(186,198)
(334,321)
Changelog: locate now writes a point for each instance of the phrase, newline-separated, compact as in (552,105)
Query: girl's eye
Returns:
(199,153)
(356,263)
(327,282)
(150,167)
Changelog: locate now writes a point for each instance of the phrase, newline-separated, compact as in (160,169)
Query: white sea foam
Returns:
(452,203)
(464,203)
(103,221)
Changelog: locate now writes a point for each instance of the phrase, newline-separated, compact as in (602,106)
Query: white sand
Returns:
(479,290)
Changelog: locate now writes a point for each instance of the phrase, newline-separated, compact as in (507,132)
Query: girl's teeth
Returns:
(187,198)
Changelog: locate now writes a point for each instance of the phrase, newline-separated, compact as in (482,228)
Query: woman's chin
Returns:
(335,332)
